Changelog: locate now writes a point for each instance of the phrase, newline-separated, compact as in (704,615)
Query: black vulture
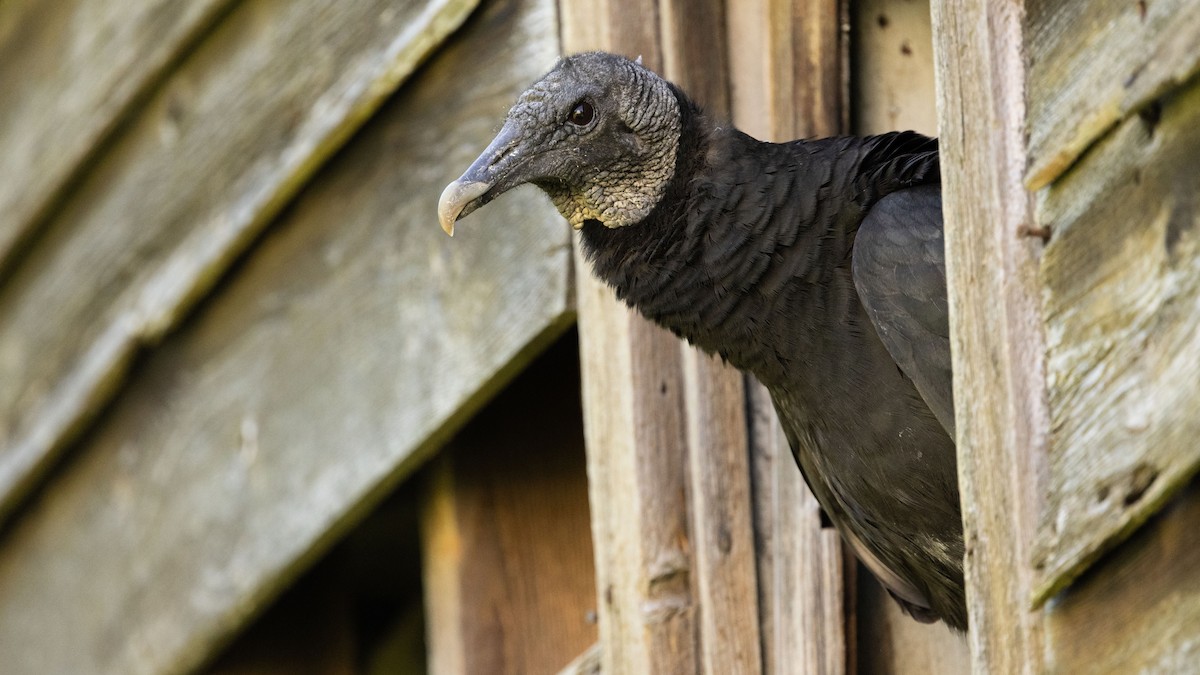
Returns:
(816,265)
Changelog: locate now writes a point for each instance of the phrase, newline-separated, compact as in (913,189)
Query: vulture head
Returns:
(599,134)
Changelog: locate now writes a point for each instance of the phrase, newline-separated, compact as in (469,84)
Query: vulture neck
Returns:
(718,260)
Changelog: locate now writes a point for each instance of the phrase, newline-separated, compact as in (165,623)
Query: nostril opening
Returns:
(504,152)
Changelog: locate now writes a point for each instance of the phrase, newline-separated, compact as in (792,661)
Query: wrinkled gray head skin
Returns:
(598,134)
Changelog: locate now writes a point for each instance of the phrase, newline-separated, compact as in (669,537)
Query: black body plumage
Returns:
(817,266)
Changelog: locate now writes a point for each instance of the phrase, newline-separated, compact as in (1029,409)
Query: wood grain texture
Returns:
(996,334)
(788,78)
(636,436)
(722,520)
(70,71)
(667,462)
(1138,610)
(509,579)
(346,348)
(789,71)
(210,159)
(1094,63)
(1122,311)
(893,67)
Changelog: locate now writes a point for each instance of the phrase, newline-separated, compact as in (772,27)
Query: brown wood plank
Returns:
(893,82)
(1122,311)
(70,70)
(995,325)
(1138,610)
(1094,63)
(211,157)
(802,613)
(507,553)
(695,54)
(722,519)
(346,348)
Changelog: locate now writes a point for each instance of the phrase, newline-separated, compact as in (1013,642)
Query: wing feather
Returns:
(899,267)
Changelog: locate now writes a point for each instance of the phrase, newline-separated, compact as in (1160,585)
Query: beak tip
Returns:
(455,198)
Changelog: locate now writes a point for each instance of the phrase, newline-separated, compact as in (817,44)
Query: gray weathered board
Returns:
(1092,63)
(69,70)
(348,344)
(1138,611)
(1122,312)
(995,324)
(209,159)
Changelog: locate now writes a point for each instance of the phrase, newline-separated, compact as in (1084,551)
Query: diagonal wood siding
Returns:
(1122,311)
(208,161)
(341,353)
(69,72)
(1094,62)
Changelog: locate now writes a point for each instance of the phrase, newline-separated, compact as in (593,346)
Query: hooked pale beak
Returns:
(489,176)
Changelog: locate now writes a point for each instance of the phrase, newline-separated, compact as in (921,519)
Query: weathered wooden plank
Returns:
(211,158)
(789,73)
(893,80)
(507,555)
(635,435)
(1092,64)
(1137,611)
(788,79)
(995,328)
(722,519)
(1122,311)
(69,71)
(344,350)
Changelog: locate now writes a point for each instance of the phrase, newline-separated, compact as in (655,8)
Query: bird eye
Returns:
(582,114)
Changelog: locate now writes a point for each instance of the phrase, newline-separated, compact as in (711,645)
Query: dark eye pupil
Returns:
(581,114)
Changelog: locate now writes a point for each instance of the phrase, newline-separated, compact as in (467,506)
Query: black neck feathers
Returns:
(750,237)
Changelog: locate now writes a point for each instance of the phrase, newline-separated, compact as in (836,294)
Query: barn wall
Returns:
(141,236)
(228,328)
(304,386)
(1069,156)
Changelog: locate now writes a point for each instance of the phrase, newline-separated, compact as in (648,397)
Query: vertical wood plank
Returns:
(722,526)
(995,325)
(893,78)
(788,80)
(507,560)
(695,53)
